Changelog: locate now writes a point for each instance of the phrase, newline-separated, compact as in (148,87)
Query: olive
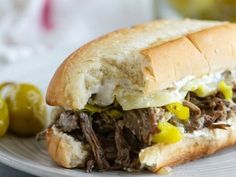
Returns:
(27,110)
(206,9)
(4,117)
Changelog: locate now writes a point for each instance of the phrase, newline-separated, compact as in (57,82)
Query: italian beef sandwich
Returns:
(152,96)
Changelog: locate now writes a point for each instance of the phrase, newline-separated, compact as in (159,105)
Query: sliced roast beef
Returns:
(234,92)
(213,108)
(194,109)
(219,126)
(90,165)
(123,150)
(102,124)
(68,121)
(142,123)
(104,127)
(92,139)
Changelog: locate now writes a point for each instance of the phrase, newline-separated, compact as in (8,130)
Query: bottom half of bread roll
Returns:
(193,146)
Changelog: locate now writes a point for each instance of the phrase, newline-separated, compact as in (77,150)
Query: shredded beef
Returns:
(234,92)
(102,124)
(123,149)
(68,121)
(142,123)
(90,165)
(194,110)
(115,144)
(219,126)
(213,108)
(133,142)
(104,127)
(91,138)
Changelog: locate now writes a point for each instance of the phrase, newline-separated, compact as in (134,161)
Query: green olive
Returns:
(27,110)
(4,117)
(193,8)
(206,9)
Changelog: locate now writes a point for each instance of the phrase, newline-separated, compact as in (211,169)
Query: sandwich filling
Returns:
(115,136)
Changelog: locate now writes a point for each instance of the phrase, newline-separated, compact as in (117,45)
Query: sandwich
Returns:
(147,97)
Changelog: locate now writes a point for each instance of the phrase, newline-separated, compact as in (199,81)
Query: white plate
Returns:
(30,156)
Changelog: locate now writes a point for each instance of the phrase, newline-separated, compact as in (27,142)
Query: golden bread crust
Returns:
(140,60)
(205,142)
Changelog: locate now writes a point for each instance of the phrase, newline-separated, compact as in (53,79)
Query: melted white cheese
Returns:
(177,92)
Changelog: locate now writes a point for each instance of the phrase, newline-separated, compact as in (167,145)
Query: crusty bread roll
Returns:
(193,146)
(136,63)
(141,60)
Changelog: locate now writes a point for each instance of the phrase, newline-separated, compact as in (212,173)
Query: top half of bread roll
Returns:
(136,64)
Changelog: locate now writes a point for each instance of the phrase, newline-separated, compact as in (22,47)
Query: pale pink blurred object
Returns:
(47,15)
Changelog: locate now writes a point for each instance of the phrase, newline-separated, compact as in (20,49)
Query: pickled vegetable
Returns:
(206,9)
(168,134)
(181,112)
(226,90)
(27,110)
(4,117)
(113,113)
(193,7)
(93,108)
(201,91)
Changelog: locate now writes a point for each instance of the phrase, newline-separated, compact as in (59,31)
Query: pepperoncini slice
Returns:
(181,111)
(113,113)
(201,91)
(92,108)
(226,90)
(168,134)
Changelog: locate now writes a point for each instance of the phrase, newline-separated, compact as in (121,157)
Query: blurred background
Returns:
(29,28)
